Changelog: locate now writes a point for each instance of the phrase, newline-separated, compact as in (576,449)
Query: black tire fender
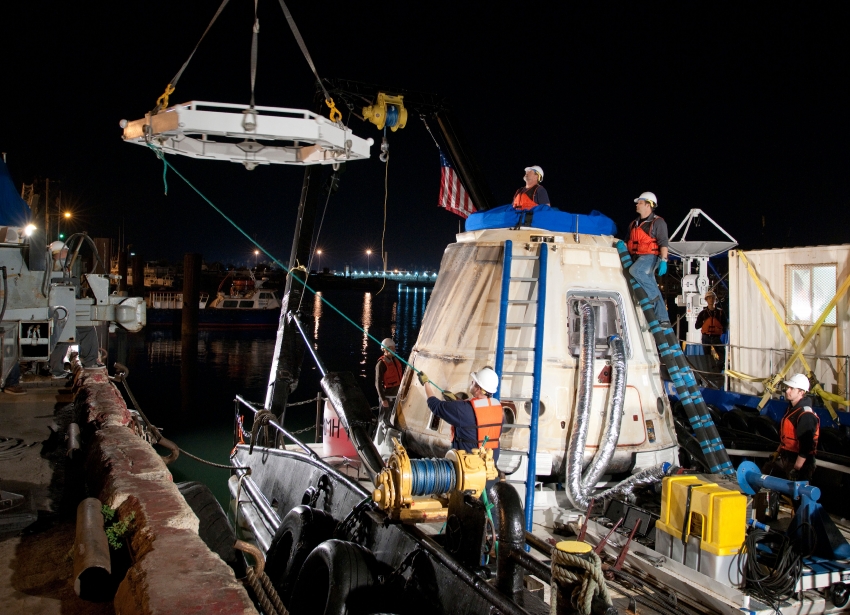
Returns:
(342,571)
(302,530)
(213,526)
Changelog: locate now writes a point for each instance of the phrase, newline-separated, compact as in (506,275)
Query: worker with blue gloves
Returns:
(647,243)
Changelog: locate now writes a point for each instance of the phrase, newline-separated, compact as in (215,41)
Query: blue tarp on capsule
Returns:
(545,217)
(13,209)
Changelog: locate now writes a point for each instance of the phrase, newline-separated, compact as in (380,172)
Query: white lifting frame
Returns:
(238,133)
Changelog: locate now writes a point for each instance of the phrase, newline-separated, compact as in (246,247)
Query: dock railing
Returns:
(832,371)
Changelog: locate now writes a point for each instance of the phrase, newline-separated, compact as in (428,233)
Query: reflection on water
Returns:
(317,316)
(193,402)
(366,323)
(412,303)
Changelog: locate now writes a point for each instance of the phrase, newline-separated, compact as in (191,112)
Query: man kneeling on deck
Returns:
(473,420)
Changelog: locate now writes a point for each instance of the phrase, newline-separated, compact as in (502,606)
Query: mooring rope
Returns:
(161,156)
(589,584)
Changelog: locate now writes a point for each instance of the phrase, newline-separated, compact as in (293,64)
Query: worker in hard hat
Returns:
(476,421)
(798,434)
(388,373)
(712,322)
(59,254)
(531,195)
(647,243)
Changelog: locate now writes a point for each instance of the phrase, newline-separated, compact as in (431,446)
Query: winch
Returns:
(401,486)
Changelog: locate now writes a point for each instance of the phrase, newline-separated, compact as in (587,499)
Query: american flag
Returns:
(453,196)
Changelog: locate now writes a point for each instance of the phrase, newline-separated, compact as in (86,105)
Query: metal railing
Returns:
(399,276)
(835,365)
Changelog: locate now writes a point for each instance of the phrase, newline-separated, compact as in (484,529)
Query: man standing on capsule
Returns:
(530,196)
(647,243)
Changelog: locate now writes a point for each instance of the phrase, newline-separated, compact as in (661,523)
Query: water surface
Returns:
(191,400)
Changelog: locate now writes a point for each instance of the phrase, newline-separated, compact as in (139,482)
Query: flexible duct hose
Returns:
(581,419)
(641,479)
(683,379)
(608,445)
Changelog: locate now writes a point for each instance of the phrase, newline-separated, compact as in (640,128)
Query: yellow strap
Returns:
(771,384)
(826,395)
(162,101)
(335,114)
(742,376)
(815,327)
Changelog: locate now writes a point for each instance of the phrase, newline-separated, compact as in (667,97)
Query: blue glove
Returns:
(621,247)
(662,267)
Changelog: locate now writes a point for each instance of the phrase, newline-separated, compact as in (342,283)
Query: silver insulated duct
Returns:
(641,479)
(581,418)
(611,435)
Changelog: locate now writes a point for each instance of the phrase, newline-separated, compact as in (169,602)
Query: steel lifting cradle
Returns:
(249,134)
(252,136)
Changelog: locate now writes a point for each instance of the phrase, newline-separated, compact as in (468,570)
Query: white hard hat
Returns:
(537,170)
(648,196)
(710,293)
(798,381)
(487,379)
(57,246)
(388,343)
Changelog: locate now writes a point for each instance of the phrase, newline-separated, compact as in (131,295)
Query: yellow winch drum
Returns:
(703,526)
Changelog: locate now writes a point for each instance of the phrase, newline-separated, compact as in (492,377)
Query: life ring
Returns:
(302,530)
(342,571)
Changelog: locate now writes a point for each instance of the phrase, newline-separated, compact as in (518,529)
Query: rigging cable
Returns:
(162,101)
(315,243)
(286,269)
(384,229)
(254,37)
(335,114)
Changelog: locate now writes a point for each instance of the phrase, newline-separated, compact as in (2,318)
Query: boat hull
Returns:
(281,480)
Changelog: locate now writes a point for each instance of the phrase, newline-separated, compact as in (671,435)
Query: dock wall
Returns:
(173,571)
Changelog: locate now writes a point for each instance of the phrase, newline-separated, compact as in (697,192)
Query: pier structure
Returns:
(171,570)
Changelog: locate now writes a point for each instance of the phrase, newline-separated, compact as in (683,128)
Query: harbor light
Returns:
(369,259)
(29,229)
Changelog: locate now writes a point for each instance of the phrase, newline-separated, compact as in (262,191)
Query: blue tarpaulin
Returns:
(13,210)
(544,217)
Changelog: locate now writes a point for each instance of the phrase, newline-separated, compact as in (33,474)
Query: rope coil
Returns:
(431,476)
(588,584)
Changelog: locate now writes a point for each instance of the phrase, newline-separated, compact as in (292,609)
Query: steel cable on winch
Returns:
(432,476)
(670,351)
(275,260)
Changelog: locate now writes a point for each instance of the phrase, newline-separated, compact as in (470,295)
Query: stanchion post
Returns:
(319,417)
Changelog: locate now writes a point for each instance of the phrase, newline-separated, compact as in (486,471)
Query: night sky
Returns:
(738,108)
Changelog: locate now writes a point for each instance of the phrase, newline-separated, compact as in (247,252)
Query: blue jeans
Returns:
(643,270)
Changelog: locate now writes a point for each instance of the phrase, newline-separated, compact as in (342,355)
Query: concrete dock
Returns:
(166,555)
(36,563)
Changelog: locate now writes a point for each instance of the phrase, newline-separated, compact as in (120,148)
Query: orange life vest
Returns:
(788,430)
(712,324)
(392,373)
(523,202)
(640,242)
(488,421)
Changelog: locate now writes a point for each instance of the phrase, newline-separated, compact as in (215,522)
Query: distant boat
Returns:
(247,304)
